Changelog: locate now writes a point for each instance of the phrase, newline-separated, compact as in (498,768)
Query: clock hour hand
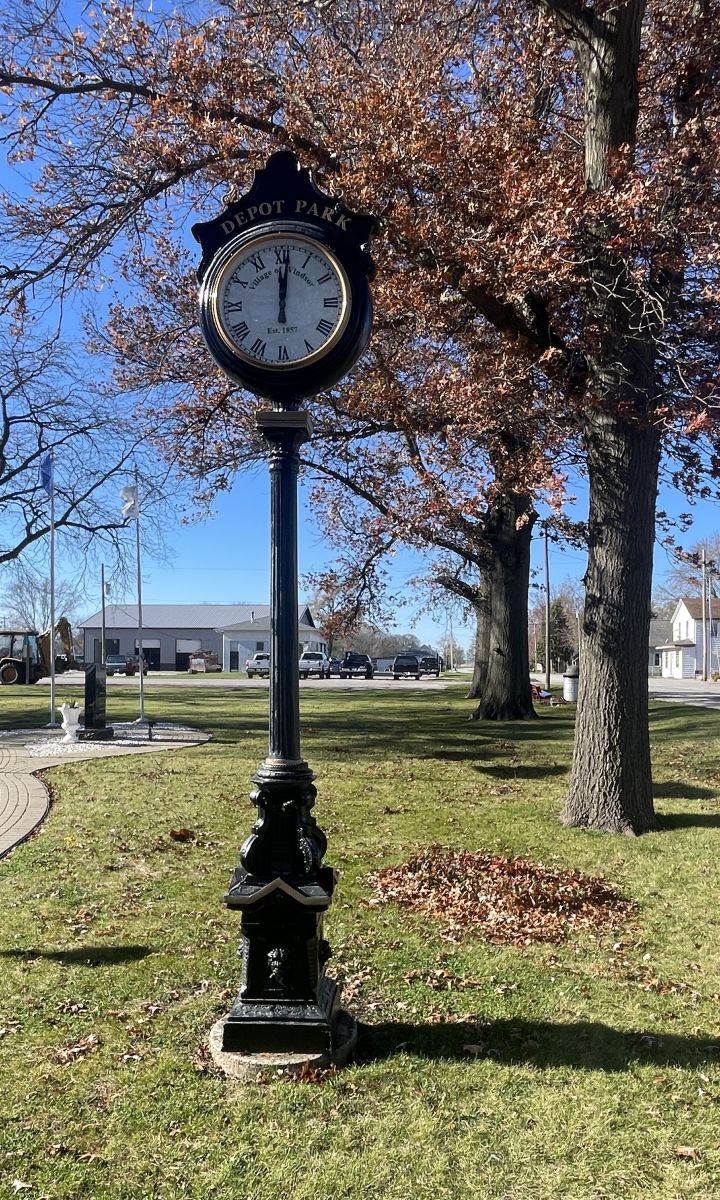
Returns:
(282,294)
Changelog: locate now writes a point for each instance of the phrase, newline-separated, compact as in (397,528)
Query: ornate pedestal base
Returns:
(257,1067)
(286,1004)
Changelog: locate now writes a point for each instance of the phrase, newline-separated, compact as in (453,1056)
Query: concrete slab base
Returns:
(259,1068)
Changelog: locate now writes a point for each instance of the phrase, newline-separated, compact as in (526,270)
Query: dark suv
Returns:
(430,665)
(405,664)
(356,664)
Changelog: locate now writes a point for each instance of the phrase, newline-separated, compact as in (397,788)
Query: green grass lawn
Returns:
(588,1070)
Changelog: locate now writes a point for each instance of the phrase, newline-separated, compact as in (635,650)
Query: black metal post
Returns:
(281,888)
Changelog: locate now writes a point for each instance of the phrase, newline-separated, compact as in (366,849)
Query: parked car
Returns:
(356,664)
(334,666)
(120,664)
(430,665)
(314,662)
(259,664)
(404,665)
(134,663)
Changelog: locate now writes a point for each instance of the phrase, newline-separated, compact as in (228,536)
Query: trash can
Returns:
(571,681)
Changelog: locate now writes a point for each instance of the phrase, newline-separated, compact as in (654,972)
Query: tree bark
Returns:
(611,782)
(506,695)
(482,643)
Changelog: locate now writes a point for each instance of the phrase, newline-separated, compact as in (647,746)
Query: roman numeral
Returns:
(324,327)
(324,278)
(233,305)
(242,282)
(258,348)
(283,354)
(240,330)
(310,349)
(331,301)
(258,262)
(282,256)
(307,260)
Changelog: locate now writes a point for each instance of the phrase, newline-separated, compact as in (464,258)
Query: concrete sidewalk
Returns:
(24,799)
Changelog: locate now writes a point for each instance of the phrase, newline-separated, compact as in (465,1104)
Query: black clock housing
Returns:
(284,200)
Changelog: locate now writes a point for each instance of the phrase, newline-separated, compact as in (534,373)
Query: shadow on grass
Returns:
(83,956)
(586,1045)
(681,791)
(669,821)
(523,771)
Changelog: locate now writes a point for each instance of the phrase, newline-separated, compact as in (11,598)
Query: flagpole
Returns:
(53,722)
(103,655)
(139,595)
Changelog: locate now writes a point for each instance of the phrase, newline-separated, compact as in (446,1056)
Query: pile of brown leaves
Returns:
(505,900)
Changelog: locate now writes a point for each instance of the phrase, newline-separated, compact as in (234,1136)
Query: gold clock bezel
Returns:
(224,267)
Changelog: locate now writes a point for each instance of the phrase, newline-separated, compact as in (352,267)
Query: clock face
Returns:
(281,301)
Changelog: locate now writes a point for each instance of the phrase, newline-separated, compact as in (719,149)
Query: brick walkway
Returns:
(24,799)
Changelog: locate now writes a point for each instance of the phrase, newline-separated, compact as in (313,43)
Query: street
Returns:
(677,691)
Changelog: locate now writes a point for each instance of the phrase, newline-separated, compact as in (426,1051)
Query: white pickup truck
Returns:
(259,664)
(314,662)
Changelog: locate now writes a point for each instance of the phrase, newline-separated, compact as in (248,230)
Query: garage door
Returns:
(184,647)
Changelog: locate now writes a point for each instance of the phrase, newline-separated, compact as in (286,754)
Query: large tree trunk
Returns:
(482,643)
(611,783)
(508,529)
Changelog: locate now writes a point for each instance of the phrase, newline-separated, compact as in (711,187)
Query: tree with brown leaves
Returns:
(546,173)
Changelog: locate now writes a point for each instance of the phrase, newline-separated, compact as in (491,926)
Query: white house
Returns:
(681,657)
(241,639)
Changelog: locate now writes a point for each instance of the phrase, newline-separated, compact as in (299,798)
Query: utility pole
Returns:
(704,618)
(547,610)
(452,654)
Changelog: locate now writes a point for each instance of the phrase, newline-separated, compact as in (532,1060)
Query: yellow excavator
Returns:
(25,653)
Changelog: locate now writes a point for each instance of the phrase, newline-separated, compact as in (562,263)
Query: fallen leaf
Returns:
(686,1152)
(182,835)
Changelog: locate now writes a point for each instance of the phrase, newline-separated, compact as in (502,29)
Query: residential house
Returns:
(660,635)
(173,632)
(682,652)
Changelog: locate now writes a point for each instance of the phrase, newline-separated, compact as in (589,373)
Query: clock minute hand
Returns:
(282,294)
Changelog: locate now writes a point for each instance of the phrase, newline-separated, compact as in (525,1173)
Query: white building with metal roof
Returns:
(173,632)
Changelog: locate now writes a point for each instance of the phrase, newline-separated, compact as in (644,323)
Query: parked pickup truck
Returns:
(259,664)
(314,662)
(356,664)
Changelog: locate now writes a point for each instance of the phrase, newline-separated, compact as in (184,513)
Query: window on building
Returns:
(678,658)
(259,645)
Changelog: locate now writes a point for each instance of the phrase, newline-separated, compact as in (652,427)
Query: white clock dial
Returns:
(281,300)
